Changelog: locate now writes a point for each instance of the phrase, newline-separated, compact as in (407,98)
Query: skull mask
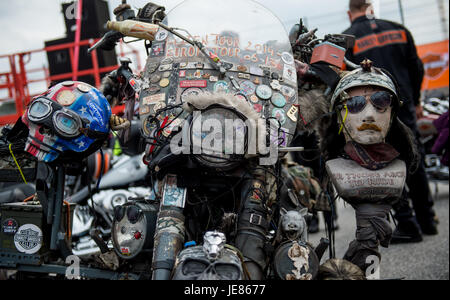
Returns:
(70,116)
(212,261)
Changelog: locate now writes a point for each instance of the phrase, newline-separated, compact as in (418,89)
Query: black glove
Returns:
(110,88)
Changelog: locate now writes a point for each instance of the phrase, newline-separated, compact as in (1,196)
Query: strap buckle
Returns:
(259,218)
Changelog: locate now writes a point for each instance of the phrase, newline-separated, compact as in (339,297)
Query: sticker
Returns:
(166,74)
(154,88)
(68,83)
(199,65)
(144,110)
(258,107)
(152,67)
(287,91)
(193,83)
(167,61)
(241,97)
(190,91)
(242,68)
(161,35)
(164,82)
(278,100)
(292,113)
(247,88)
(256,71)
(157,50)
(83,88)
(153,99)
(287,58)
(182,73)
(264,92)
(289,73)
(206,76)
(159,106)
(221,86)
(183,65)
(155,78)
(254,99)
(256,81)
(213,78)
(125,251)
(66,98)
(279,114)
(9,226)
(243,76)
(147,126)
(28,239)
(172,194)
(163,68)
(198,74)
(235,83)
(275,84)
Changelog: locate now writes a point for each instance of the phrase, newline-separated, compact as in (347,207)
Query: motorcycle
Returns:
(221,210)
(433,108)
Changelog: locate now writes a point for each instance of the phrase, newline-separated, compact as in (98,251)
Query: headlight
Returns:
(218,137)
(133,228)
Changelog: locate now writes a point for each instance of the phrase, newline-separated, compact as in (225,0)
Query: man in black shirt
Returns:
(391,47)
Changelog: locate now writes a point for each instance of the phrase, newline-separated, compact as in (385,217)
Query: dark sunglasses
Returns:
(381,101)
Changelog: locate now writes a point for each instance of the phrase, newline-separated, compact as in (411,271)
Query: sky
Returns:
(26,24)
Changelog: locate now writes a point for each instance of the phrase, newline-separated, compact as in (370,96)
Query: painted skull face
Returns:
(194,264)
(367,118)
(70,116)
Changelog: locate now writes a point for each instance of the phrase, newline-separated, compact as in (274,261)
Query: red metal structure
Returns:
(16,81)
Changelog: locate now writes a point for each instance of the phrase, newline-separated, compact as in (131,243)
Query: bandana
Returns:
(372,157)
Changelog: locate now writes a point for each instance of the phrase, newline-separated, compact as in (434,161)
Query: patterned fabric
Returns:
(372,157)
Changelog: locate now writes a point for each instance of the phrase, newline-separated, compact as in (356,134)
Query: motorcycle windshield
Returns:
(240,32)
(251,45)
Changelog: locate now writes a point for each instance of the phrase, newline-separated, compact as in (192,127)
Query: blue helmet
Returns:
(71,117)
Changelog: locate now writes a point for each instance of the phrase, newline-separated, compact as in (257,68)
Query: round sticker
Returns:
(264,92)
(9,226)
(152,67)
(221,86)
(154,88)
(287,91)
(155,78)
(28,239)
(66,98)
(161,35)
(254,99)
(189,92)
(279,114)
(83,88)
(287,58)
(258,107)
(164,82)
(278,100)
(247,87)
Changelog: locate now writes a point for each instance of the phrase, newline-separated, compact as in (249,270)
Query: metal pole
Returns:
(77,39)
(400,7)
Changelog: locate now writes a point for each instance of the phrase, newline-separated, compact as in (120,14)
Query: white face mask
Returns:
(370,126)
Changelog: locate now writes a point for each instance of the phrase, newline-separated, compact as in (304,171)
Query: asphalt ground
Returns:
(427,260)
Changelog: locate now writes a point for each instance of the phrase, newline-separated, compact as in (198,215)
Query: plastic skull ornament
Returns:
(369,126)
(70,116)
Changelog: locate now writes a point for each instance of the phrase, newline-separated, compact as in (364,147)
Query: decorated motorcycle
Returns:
(218,109)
